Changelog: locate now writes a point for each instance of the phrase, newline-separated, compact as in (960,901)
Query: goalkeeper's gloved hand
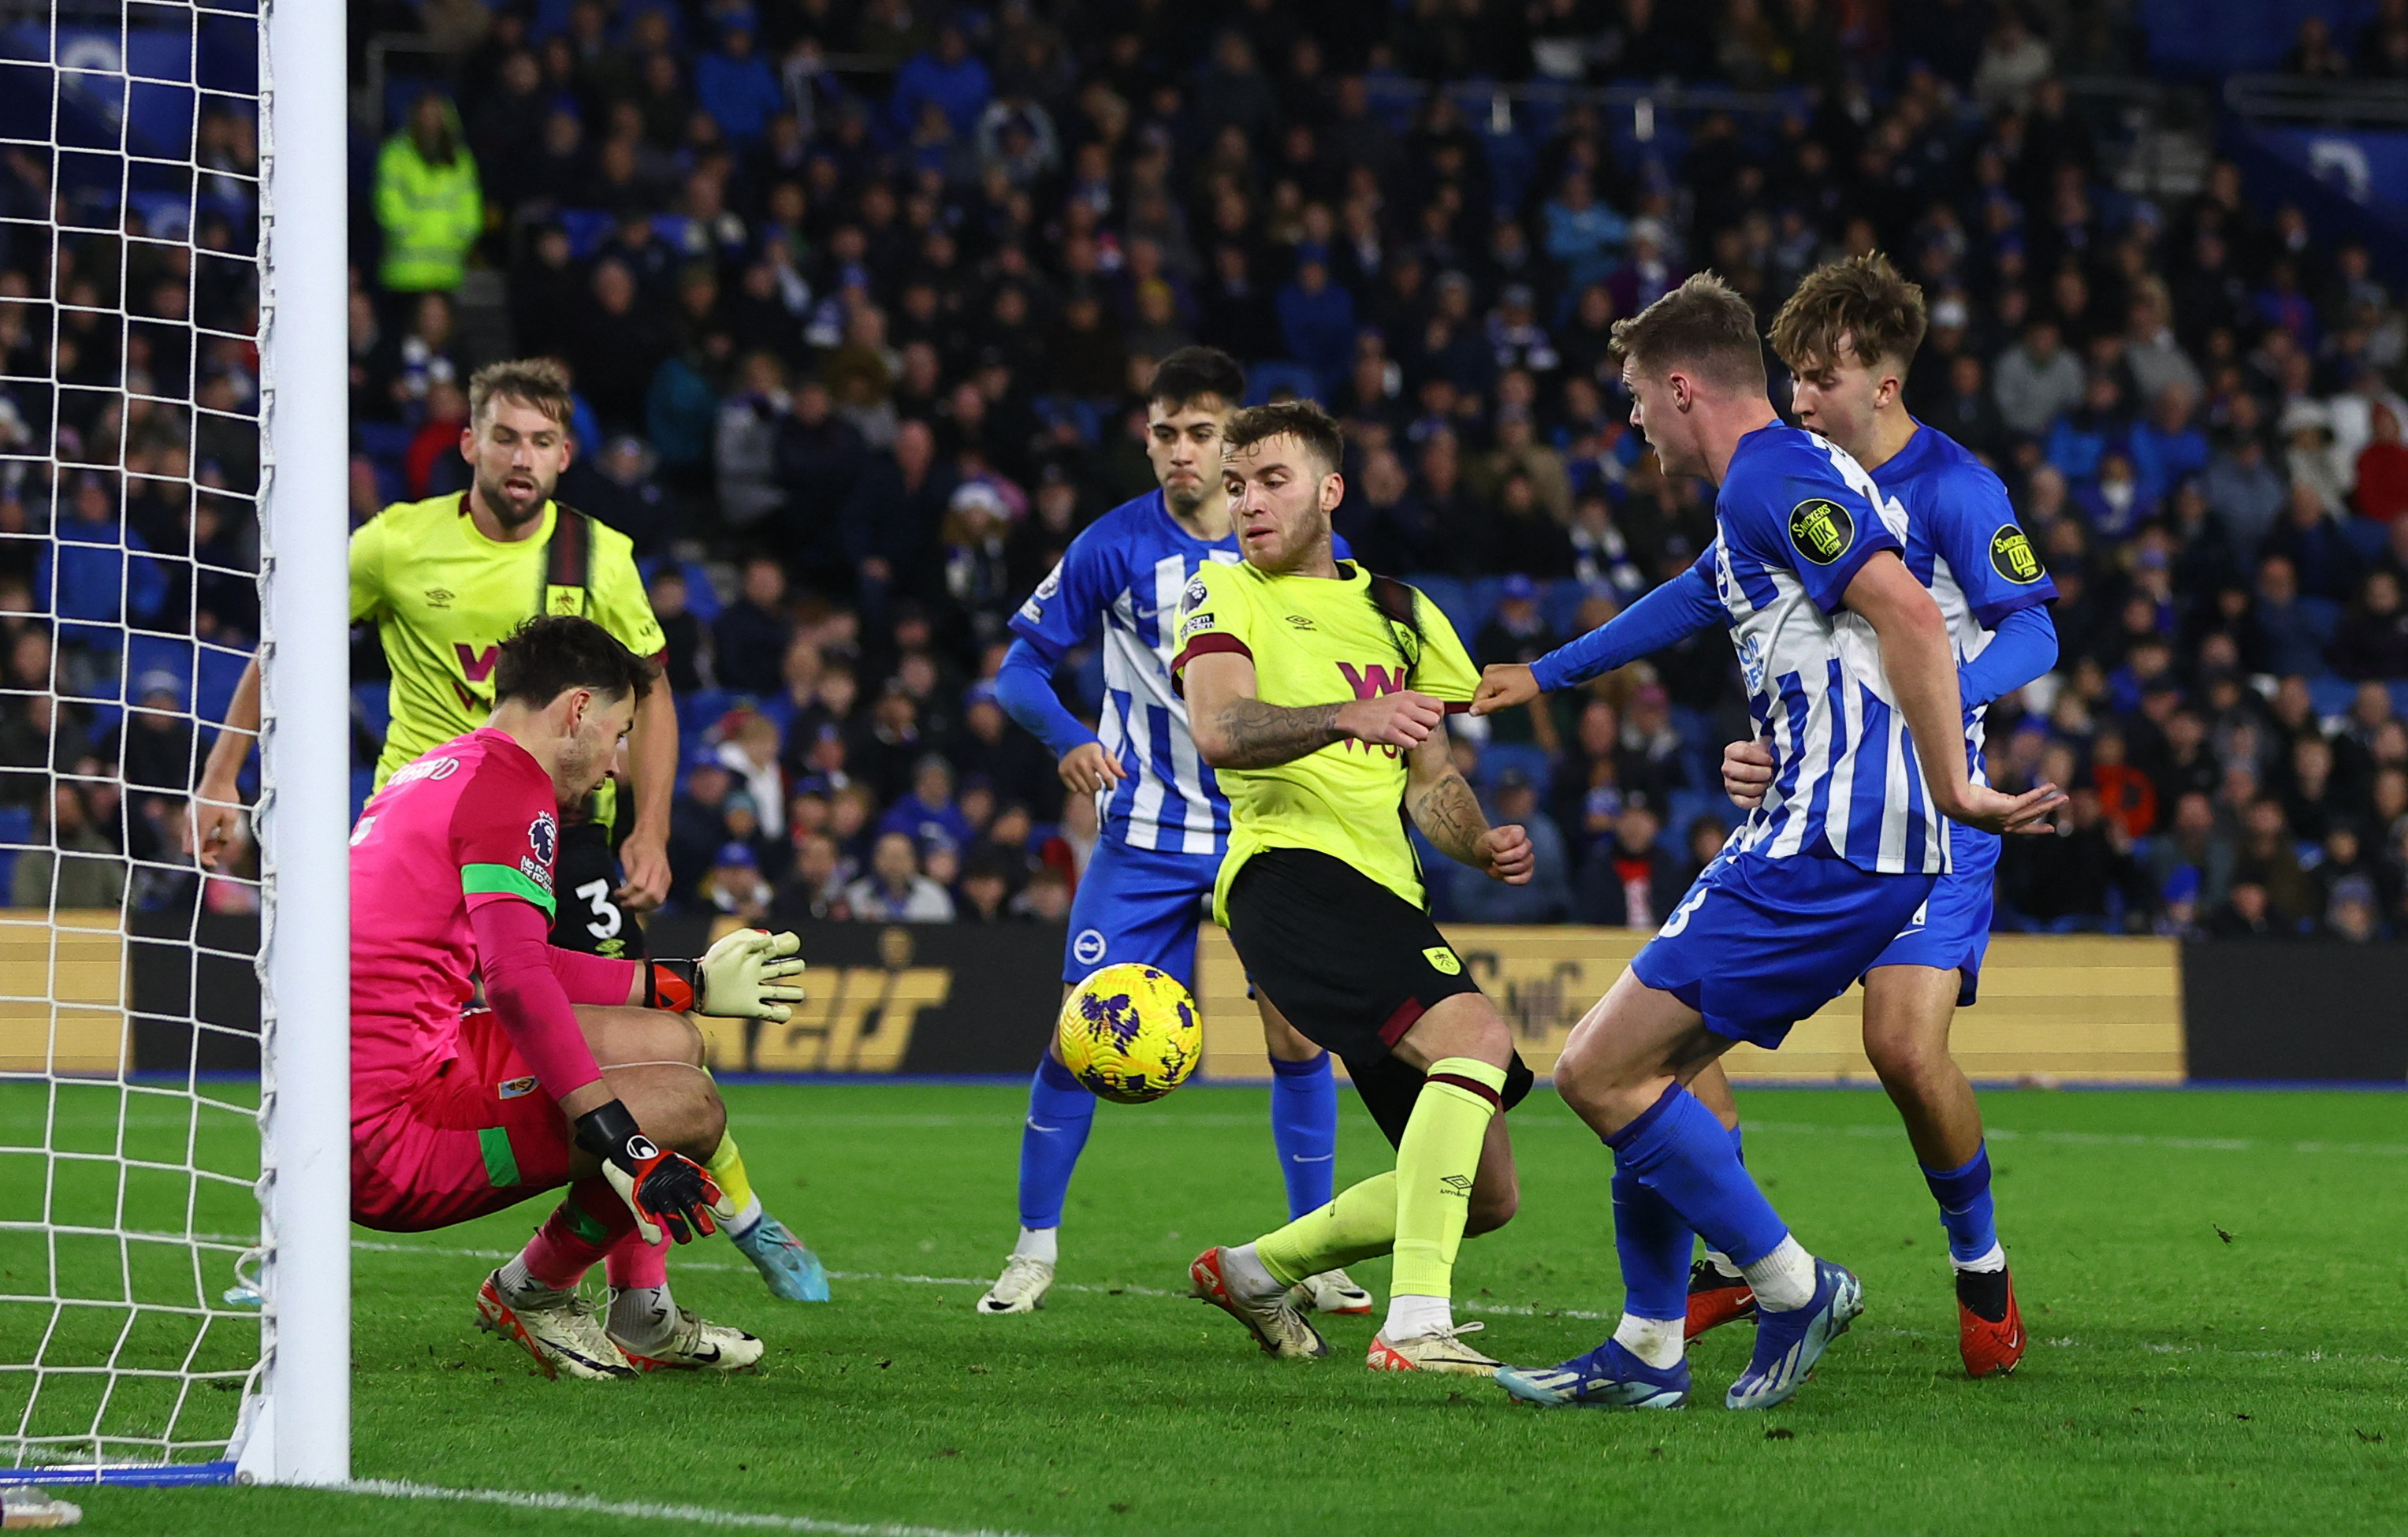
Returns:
(663,1189)
(749,975)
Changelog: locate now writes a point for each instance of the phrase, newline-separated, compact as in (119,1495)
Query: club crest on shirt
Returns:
(2012,556)
(543,837)
(1821,529)
(517,1088)
(1442,960)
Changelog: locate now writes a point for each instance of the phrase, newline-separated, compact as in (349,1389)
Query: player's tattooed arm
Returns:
(1236,729)
(1449,815)
(1444,807)
(1250,734)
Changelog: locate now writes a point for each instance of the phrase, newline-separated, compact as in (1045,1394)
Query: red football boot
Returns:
(1990,1326)
(1715,1300)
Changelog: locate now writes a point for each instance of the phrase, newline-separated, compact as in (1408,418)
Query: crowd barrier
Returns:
(977,1001)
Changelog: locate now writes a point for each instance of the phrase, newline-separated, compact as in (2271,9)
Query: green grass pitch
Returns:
(2214,1281)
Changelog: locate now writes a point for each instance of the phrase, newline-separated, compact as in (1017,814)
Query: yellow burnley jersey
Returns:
(1315,641)
(444,597)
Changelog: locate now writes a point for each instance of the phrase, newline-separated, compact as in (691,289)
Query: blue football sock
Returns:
(1304,1129)
(1681,1152)
(1654,1244)
(1060,1113)
(1964,1196)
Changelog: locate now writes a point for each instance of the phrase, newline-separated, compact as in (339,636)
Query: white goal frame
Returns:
(299,1429)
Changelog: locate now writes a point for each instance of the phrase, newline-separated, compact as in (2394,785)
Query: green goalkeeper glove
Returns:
(749,975)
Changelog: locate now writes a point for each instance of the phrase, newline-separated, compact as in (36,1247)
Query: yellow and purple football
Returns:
(1130,1033)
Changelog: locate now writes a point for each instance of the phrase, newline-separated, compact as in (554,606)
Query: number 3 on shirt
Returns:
(606,921)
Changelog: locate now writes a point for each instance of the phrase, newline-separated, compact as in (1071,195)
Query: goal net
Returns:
(143,1168)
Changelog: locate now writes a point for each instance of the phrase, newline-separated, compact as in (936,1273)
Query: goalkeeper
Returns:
(579,1070)
(445,579)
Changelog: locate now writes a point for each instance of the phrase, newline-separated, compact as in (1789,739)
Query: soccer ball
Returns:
(1130,1033)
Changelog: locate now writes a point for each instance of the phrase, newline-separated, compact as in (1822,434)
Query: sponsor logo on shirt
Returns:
(517,1088)
(1821,529)
(423,769)
(1196,622)
(2012,556)
(1442,961)
(543,837)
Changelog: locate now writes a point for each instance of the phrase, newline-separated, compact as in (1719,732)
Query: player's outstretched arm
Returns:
(1234,729)
(1449,815)
(1664,616)
(217,800)
(1922,672)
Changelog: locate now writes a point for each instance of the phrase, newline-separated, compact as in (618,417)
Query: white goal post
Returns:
(175,1263)
(304,1416)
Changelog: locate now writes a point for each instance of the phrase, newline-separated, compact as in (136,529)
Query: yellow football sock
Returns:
(1434,1165)
(726,1167)
(1359,1224)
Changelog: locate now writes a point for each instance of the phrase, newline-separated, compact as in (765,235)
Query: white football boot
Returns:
(693,1343)
(1021,1287)
(1331,1291)
(562,1331)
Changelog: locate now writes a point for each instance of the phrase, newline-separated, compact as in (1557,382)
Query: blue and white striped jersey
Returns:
(1963,542)
(1796,519)
(1124,575)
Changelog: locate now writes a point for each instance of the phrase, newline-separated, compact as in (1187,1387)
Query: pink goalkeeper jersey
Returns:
(470,822)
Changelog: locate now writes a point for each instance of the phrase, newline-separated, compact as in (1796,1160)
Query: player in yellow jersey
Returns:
(445,580)
(1319,692)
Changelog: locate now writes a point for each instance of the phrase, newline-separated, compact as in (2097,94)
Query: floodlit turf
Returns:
(2213,1283)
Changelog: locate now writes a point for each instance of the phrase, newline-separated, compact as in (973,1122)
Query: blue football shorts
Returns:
(1758,944)
(1139,905)
(1951,932)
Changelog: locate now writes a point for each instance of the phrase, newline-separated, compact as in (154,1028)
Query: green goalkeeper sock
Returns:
(1436,1162)
(1359,1224)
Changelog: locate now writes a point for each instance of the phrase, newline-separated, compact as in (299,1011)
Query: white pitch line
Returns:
(700,1515)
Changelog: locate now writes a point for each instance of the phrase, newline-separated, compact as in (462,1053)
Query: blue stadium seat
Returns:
(16,828)
(1683,807)
(213,685)
(1448,594)
(2323,615)
(2332,696)
(1561,607)
(586,229)
(2371,539)
(1530,757)
(372,707)
(698,711)
(1264,379)
(363,784)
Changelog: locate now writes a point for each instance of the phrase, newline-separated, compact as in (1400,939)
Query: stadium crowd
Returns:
(860,300)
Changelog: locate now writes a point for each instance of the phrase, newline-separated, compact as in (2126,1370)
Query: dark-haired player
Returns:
(1165,821)
(1320,693)
(576,1072)
(445,581)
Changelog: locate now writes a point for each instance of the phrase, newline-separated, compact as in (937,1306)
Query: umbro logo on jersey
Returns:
(439,597)
(1821,529)
(1300,622)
